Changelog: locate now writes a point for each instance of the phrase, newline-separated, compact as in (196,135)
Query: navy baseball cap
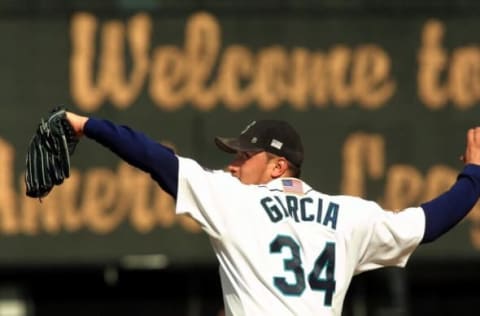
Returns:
(273,136)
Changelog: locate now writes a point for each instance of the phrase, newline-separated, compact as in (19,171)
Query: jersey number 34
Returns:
(293,264)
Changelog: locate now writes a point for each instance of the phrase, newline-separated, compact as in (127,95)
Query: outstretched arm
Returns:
(445,211)
(134,147)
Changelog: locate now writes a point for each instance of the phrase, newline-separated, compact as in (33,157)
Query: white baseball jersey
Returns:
(286,249)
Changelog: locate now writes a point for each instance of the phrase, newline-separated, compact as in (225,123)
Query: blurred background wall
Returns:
(382,93)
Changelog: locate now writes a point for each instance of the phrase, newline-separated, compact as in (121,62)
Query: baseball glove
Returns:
(48,154)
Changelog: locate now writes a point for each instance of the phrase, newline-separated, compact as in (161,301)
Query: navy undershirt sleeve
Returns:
(445,211)
(138,150)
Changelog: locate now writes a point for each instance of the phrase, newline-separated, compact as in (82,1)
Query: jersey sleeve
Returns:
(389,238)
(205,195)
(138,150)
(445,211)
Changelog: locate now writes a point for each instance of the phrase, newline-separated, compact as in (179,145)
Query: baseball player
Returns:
(283,247)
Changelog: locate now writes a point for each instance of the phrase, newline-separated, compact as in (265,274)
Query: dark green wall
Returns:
(37,48)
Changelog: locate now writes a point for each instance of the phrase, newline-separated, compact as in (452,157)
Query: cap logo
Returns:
(248,126)
(276,144)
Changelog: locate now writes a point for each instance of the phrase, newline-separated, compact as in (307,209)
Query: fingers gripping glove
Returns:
(48,154)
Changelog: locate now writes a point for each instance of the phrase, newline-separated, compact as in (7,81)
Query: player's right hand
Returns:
(472,150)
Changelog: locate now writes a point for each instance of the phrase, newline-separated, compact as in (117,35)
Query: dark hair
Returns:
(296,171)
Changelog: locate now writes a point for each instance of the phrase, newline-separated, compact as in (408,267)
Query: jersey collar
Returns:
(289,185)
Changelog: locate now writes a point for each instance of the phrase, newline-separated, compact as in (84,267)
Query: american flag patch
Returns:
(292,186)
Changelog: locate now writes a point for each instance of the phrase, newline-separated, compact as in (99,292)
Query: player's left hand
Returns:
(48,154)
(77,122)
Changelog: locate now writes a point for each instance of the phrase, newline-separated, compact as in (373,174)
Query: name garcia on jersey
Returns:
(301,209)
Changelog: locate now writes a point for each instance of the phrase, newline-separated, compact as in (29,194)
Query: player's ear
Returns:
(280,167)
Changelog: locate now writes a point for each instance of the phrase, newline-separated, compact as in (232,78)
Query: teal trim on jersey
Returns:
(325,261)
(301,209)
(292,264)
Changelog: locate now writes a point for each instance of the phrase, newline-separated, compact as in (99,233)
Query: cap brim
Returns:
(233,145)
(229,145)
